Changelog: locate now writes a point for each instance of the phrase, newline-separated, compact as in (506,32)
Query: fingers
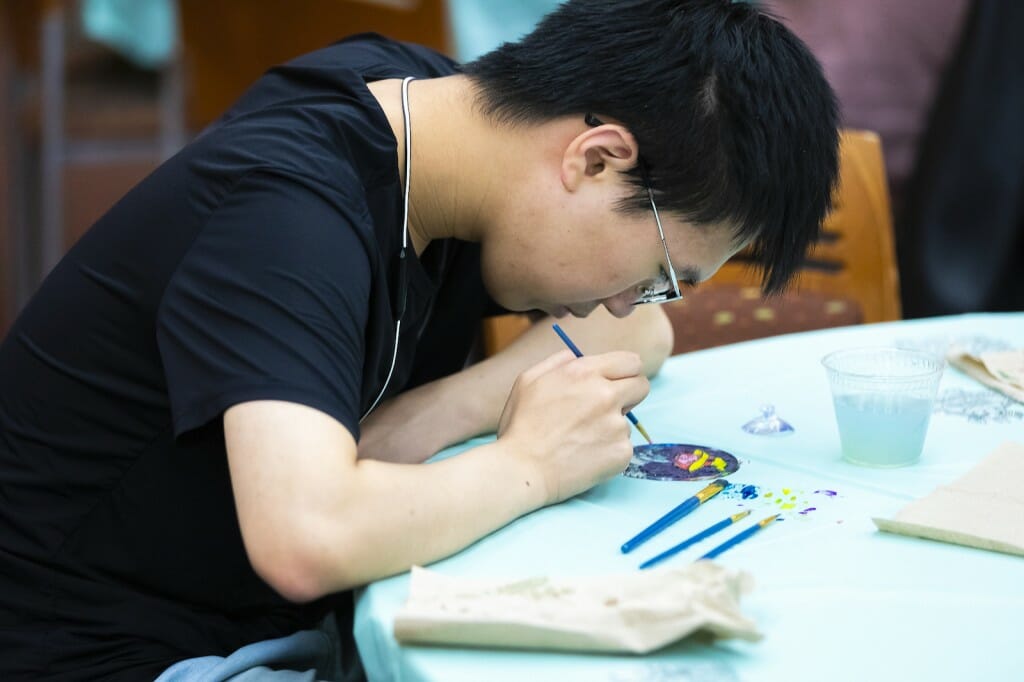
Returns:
(562,357)
(622,369)
(632,391)
(615,365)
(620,373)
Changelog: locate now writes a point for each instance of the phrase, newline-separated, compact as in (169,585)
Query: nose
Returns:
(620,305)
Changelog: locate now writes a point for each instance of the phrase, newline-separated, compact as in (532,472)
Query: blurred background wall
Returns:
(97,92)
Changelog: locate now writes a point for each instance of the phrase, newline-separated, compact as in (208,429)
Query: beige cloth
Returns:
(1003,370)
(984,508)
(633,612)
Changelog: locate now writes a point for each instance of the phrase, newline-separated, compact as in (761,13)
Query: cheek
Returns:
(515,272)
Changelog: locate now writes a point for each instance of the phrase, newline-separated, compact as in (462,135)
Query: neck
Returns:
(454,152)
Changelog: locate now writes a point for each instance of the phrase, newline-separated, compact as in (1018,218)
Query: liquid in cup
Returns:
(883,401)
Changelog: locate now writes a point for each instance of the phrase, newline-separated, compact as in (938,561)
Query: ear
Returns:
(595,152)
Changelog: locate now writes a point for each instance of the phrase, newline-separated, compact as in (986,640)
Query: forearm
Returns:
(389,517)
(421,422)
(316,519)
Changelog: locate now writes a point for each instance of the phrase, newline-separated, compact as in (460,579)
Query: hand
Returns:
(564,416)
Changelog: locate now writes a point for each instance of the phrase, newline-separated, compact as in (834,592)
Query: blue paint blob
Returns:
(749,492)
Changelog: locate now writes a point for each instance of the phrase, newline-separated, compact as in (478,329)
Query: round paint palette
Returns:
(679,462)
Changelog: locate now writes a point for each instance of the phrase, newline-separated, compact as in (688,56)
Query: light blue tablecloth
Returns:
(836,599)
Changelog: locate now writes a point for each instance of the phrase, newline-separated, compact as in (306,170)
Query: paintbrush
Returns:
(684,508)
(739,537)
(689,542)
(578,353)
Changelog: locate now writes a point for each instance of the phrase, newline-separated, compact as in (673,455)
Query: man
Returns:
(208,411)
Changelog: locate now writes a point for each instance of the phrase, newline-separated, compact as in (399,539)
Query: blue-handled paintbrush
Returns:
(689,542)
(739,537)
(684,508)
(578,353)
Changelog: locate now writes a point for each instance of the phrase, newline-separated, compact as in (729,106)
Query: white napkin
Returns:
(1001,370)
(633,612)
(982,508)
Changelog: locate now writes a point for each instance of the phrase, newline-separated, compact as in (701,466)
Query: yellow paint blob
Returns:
(700,462)
(719,463)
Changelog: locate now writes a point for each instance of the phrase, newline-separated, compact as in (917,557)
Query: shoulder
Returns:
(375,56)
(281,215)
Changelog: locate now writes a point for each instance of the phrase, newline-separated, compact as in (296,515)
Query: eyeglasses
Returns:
(666,287)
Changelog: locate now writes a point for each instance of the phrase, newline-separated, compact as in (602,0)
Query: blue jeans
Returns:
(306,656)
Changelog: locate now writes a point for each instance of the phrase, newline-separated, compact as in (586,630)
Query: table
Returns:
(836,599)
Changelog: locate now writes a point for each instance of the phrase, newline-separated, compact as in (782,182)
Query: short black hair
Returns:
(735,120)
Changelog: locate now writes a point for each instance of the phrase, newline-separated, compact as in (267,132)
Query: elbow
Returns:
(297,566)
(293,577)
(291,580)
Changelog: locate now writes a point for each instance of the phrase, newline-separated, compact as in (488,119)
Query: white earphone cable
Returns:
(405,232)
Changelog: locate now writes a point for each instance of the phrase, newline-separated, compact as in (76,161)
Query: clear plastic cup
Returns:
(883,399)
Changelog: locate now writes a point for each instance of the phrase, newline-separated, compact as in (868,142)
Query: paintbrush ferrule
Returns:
(715,487)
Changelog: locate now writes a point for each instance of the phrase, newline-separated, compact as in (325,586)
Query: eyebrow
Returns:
(689,275)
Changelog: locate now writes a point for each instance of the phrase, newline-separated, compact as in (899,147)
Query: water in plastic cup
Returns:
(883,400)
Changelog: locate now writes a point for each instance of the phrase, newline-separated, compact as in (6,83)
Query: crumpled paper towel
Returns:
(1001,370)
(632,612)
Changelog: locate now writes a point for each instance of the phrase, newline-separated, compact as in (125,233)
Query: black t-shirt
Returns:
(258,263)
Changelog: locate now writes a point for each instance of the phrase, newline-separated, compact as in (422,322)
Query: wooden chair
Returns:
(849,277)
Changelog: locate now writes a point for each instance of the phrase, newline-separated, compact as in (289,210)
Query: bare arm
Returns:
(315,519)
(418,423)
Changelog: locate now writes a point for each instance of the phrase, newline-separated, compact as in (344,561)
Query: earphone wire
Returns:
(407,124)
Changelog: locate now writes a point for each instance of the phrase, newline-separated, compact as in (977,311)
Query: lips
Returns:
(559,311)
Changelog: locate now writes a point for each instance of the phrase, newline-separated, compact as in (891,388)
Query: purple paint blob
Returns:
(829,493)
(809,509)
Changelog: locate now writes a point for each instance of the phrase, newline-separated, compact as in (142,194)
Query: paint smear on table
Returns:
(782,499)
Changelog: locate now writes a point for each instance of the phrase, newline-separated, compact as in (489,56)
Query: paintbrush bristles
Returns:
(738,517)
(643,432)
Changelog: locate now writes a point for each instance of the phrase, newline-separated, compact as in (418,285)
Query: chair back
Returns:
(855,258)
